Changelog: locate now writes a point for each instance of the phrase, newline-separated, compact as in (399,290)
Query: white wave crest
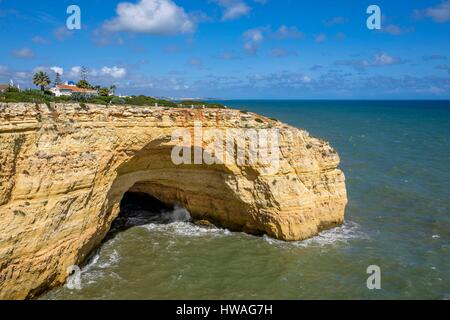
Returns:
(186,229)
(93,269)
(348,231)
(111,259)
(179,224)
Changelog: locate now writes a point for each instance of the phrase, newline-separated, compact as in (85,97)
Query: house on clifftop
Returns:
(71,89)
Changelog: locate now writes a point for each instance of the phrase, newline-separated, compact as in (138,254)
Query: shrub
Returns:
(97,101)
(12,89)
(117,100)
(104,92)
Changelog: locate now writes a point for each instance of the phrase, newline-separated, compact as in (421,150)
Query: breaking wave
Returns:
(348,231)
(94,268)
(178,222)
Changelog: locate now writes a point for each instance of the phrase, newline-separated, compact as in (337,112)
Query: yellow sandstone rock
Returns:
(64,169)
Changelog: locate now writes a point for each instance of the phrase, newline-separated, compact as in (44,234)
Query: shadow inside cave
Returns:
(137,209)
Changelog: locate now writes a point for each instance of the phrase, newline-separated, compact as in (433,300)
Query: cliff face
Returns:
(64,169)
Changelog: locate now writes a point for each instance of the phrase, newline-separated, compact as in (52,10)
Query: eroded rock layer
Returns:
(64,169)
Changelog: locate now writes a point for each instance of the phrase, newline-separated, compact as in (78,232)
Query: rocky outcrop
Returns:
(64,169)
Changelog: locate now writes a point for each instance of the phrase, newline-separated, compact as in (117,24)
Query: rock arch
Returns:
(68,167)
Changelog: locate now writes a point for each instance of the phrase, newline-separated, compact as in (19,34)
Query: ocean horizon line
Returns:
(299,99)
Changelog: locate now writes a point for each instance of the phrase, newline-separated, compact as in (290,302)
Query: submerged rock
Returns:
(64,172)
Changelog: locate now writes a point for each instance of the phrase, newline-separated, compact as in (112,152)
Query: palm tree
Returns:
(41,79)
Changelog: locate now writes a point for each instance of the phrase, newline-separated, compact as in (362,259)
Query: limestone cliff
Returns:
(64,169)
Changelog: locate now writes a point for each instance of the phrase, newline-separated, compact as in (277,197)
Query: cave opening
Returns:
(138,208)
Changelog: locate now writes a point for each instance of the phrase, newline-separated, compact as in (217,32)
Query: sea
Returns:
(396,159)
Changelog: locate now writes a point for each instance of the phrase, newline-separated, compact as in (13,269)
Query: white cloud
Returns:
(159,17)
(285,79)
(334,21)
(383,59)
(40,68)
(395,30)
(102,37)
(281,52)
(75,72)
(306,79)
(7,74)
(439,13)
(3,70)
(255,35)
(39,40)
(434,90)
(22,75)
(49,70)
(233,9)
(392,29)
(110,72)
(253,38)
(62,33)
(378,60)
(57,70)
(23,53)
(114,72)
(285,32)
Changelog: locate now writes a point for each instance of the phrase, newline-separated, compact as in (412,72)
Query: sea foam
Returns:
(348,231)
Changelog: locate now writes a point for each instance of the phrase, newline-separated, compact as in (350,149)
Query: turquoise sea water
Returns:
(396,158)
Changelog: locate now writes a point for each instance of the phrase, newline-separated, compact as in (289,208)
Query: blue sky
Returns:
(235,48)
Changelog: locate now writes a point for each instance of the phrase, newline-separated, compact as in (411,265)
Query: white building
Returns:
(69,89)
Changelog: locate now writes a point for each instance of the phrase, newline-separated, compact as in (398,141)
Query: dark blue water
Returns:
(396,158)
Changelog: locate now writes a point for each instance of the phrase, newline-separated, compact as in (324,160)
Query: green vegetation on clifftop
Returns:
(36,96)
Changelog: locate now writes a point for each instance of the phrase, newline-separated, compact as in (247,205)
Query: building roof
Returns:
(74,88)
(4,86)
